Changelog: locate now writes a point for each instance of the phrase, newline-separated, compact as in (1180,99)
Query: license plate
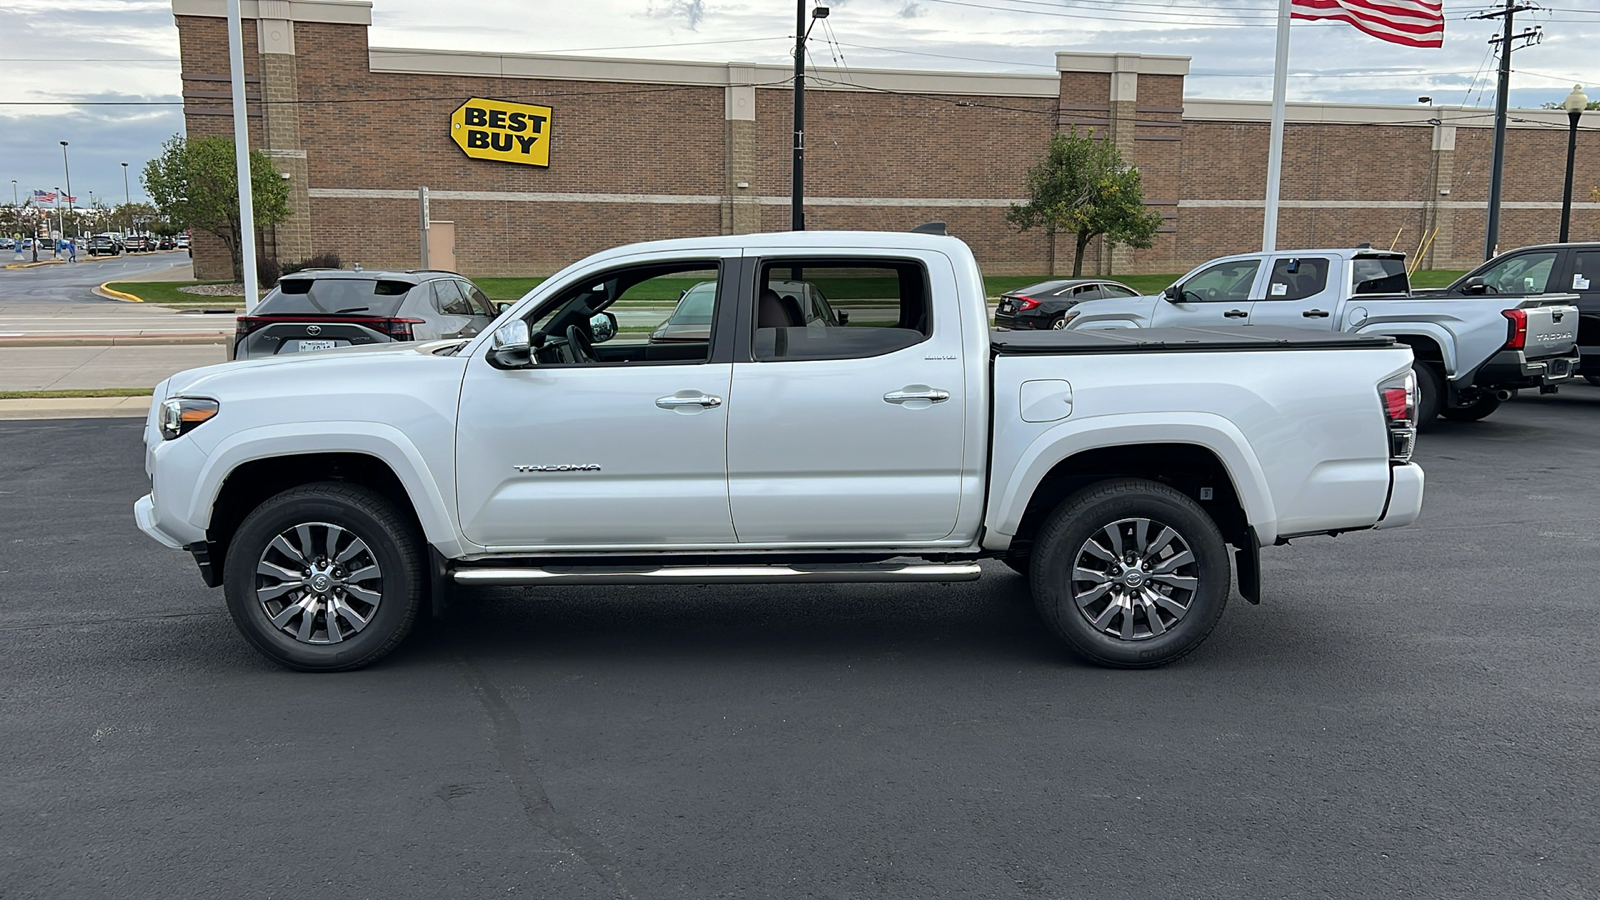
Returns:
(1005,307)
(316,345)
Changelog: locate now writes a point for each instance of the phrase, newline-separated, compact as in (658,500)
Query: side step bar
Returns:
(841,574)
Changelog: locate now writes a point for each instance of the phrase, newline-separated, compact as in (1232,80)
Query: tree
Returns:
(194,184)
(1083,187)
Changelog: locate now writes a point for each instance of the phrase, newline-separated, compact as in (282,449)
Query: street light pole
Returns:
(126,199)
(68,170)
(1575,104)
(797,209)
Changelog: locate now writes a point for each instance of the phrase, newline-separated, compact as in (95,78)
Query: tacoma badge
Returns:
(563,467)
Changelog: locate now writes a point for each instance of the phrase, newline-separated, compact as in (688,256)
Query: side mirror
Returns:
(844,318)
(1172,294)
(510,347)
(1474,285)
(501,307)
(603,326)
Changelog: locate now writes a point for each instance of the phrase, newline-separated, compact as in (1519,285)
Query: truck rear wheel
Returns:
(325,577)
(1472,412)
(1130,574)
(1430,393)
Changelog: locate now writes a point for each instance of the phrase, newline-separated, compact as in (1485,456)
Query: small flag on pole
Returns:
(44,196)
(68,200)
(1414,23)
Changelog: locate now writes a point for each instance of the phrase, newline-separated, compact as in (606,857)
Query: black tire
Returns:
(1592,379)
(1430,393)
(1478,409)
(357,515)
(1088,515)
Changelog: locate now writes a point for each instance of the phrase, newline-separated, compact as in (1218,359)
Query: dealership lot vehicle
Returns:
(1472,352)
(691,320)
(105,245)
(1539,271)
(1043,306)
(1118,470)
(323,309)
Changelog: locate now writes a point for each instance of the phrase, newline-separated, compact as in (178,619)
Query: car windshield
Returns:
(331,296)
(696,305)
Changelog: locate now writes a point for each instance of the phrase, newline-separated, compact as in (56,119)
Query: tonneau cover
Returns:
(1168,340)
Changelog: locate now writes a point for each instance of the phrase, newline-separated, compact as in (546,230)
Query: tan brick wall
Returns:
(365,130)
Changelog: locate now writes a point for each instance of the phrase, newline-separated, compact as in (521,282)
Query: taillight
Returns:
(1517,328)
(1026,303)
(246,324)
(1398,396)
(398,329)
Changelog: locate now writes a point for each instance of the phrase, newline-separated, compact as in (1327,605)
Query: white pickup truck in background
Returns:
(1472,351)
(333,493)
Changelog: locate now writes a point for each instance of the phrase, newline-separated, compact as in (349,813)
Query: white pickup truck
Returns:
(1472,351)
(334,494)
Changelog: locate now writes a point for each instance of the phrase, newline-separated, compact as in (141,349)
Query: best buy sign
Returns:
(499,130)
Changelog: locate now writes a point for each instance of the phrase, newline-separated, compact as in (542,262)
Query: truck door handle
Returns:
(683,398)
(916,393)
(1315,314)
(1236,313)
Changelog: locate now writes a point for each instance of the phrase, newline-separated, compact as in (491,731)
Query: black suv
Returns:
(322,309)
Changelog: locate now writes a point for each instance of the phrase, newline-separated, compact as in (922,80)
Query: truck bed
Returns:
(1180,340)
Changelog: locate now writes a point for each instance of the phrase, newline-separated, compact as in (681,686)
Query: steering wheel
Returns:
(582,348)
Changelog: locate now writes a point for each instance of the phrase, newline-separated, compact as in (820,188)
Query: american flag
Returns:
(44,196)
(1414,23)
(68,200)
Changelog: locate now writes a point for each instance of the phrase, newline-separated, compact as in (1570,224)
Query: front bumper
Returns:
(1405,496)
(144,513)
(1513,369)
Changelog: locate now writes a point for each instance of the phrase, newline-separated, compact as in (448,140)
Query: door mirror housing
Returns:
(511,347)
(1173,294)
(844,318)
(603,326)
(501,307)
(1474,285)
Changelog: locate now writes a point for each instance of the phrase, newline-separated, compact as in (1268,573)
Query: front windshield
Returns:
(696,305)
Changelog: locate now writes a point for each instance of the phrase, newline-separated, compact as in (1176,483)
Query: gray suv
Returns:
(322,309)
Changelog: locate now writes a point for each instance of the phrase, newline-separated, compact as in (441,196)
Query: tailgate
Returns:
(1552,325)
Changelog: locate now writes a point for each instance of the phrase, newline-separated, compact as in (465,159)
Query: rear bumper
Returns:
(1513,369)
(1405,496)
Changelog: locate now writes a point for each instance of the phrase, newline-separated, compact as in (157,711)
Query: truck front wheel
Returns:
(1130,573)
(325,577)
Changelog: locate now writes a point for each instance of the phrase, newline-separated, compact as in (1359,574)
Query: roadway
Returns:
(1408,713)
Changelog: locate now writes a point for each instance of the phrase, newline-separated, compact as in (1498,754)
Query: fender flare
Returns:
(1401,330)
(1069,438)
(376,439)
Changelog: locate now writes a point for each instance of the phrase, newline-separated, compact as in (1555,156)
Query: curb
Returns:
(76,408)
(115,340)
(32,265)
(105,290)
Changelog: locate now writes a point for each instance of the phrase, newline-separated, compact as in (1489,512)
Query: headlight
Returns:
(180,415)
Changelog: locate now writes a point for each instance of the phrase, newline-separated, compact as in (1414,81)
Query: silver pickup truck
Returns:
(1472,352)
(333,493)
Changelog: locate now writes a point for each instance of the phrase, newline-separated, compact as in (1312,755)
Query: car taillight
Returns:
(1026,303)
(1398,397)
(247,324)
(399,329)
(1517,328)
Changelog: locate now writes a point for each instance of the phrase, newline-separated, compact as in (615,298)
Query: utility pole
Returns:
(797,209)
(1491,234)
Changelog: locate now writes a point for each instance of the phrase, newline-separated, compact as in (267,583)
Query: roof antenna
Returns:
(930,228)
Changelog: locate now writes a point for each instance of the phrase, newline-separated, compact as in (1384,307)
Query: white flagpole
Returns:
(241,156)
(1280,74)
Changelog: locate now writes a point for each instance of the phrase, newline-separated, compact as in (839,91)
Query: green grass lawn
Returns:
(81,392)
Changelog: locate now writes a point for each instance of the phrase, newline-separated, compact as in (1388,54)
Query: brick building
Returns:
(644,149)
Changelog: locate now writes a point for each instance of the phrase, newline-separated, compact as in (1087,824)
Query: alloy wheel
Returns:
(319,583)
(1134,579)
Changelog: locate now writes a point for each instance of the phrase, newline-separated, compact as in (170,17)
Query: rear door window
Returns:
(335,296)
(889,307)
(448,299)
(480,301)
(1299,277)
(1586,274)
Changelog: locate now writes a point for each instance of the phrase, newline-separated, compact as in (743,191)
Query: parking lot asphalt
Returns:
(1408,713)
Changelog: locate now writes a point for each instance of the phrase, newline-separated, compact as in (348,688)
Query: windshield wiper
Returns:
(351,309)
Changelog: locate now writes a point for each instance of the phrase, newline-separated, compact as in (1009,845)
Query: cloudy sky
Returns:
(54,53)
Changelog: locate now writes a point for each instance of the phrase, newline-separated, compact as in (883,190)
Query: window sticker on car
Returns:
(1580,283)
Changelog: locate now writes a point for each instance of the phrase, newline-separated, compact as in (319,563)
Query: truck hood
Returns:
(326,369)
(1114,312)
